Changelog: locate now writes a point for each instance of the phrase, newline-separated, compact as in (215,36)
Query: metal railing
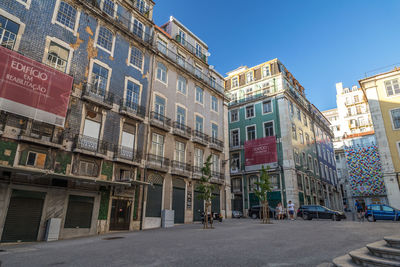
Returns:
(88,143)
(216,142)
(182,128)
(254,96)
(196,169)
(160,119)
(181,166)
(158,160)
(122,177)
(217,175)
(94,91)
(124,22)
(200,135)
(127,153)
(132,108)
(190,68)
(191,48)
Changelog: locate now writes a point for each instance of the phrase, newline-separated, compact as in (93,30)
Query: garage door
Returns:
(198,204)
(178,204)
(154,196)
(23,216)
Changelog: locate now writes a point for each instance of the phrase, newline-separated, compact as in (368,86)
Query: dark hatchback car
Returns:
(309,212)
(254,212)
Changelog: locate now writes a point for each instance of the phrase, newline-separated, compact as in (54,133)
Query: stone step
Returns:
(393,241)
(381,249)
(344,261)
(364,258)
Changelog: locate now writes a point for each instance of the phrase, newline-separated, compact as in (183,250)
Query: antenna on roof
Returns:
(211,67)
(208,54)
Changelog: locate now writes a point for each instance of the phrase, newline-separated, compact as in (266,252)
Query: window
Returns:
(180,115)
(310,163)
(300,182)
(181,60)
(236,184)
(235,162)
(251,132)
(327,173)
(87,168)
(137,28)
(198,157)
(215,163)
(214,103)
(249,77)
(109,7)
(162,46)
(199,50)
(316,166)
(307,139)
(294,133)
(267,106)
(212,81)
(214,131)
(66,15)
(8,32)
(57,57)
(395,113)
(182,36)
(386,208)
(36,159)
(301,136)
(296,156)
(291,107)
(181,84)
(159,106)
(180,151)
(356,99)
(199,124)
(305,119)
(268,128)
(105,39)
(252,182)
(199,95)
(392,87)
(303,159)
(298,114)
(250,112)
(142,6)
(235,82)
(161,72)
(197,72)
(99,79)
(234,115)
(157,145)
(79,212)
(91,132)
(127,141)
(132,95)
(266,71)
(235,138)
(136,58)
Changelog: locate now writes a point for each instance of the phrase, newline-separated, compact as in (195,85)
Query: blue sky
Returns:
(320,41)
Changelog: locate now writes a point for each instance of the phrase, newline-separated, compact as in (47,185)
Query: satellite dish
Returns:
(211,67)
(208,54)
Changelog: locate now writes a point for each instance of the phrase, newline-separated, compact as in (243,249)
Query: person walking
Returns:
(360,211)
(279,211)
(291,210)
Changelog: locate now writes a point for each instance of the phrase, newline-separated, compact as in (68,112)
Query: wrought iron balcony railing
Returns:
(160,119)
(191,48)
(127,153)
(202,137)
(97,93)
(216,142)
(91,144)
(132,108)
(177,165)
(182,128)
(158,160)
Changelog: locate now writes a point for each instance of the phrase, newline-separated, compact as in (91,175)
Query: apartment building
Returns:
(271,123)
(383,95)
(73,107)
(187,120)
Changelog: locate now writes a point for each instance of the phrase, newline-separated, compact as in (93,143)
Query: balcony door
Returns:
(91,132)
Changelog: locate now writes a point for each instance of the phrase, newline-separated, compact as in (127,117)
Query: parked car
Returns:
(237,214)
(254,212)
(309,212)
(381,212)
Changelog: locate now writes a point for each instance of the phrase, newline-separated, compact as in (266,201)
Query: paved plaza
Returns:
(236,242)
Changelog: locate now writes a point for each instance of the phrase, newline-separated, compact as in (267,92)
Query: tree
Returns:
(263,187)
(206,188)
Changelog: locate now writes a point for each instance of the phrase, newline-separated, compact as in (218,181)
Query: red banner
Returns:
(260,151)
(32,89)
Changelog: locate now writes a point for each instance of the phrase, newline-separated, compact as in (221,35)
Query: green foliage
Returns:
(107,169)
(104,200)
(264,185)
(205,187)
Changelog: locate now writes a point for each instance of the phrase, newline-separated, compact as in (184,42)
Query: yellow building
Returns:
(383,94)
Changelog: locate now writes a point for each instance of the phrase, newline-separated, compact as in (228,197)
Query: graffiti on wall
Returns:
(365,171)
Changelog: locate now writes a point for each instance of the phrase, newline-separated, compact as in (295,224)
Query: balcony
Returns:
(91,146)
(199,137)
(216,144)
(127,155)
(44,135)
(235,170)
(236,145)
(180,168)
(190,68)
(3,122)
(93,93)
(121,20)
(259,94)
(160,121)
(196,172)
(182,130)
(132,110)
(157,163)
(125,176)
(191,48)
(217,176)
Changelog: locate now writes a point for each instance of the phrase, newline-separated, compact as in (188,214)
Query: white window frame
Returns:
(54,18)
(254,111)
(61,43)
(316,167)
(230,136)
(115,8)
(184,151)
(204,122)
(255,131)
(176,112)
(269,71)
(129,58)
(249,74)
(230,115)
(211,128)
(166,73)
(143,27)
(131,79)
(262,106)
(195,95)
(186,85)
(21,29)
(27,4)
(104,65)
(394,94)
(237,78)
(217,104)
(391,119)
(310,162)
(273,127)
(97,37)
(154,102)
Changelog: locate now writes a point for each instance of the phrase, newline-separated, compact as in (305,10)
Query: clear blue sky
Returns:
(320,41)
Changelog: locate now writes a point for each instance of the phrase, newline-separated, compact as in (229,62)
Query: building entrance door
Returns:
(198,206)
(120,214)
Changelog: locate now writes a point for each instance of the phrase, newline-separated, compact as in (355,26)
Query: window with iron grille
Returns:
(105,38)
(8,32)
(66,15)
(136,57)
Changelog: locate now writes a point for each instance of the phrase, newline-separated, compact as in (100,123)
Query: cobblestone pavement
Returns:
(236,242)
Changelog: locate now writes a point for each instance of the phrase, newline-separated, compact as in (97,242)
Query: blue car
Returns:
(381,212)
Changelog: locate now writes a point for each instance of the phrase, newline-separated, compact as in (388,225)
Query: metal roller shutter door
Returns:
(178,204)
(215,204)
(154,200)
(197,205)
